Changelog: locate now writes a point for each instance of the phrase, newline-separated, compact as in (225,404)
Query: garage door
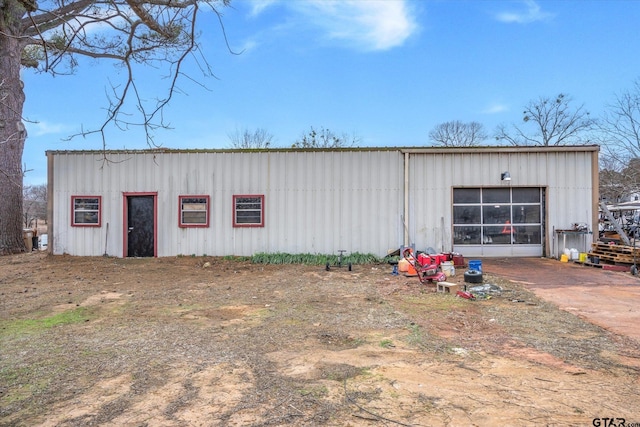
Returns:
(498,221)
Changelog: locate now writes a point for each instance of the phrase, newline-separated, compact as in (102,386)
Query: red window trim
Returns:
(187,196)
(237,196)
(73,211)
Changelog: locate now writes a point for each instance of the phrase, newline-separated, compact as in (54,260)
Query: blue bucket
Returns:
(476,265)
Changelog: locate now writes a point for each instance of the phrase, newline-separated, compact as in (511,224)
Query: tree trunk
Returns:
(12,131)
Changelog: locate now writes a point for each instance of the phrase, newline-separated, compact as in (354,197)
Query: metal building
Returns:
(486,201)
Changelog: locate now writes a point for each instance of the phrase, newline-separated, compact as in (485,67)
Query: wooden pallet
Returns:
(614,254)
(608,247)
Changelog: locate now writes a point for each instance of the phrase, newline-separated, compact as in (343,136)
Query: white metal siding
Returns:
(315,201)
(566,177)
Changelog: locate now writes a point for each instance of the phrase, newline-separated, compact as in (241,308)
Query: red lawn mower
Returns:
(427,271)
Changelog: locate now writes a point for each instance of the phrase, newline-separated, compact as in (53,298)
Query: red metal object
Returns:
(465,295)
(424,259)
(437,258)
(458,261)
(427,273)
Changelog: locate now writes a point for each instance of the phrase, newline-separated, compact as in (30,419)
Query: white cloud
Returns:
(258,6)
(495,108)
(247,46)
(362,24)
(44,128)
(532,13)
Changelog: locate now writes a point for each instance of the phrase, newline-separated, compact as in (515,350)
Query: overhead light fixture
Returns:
(505,176)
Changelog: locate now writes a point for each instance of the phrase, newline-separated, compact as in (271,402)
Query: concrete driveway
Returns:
(609,299)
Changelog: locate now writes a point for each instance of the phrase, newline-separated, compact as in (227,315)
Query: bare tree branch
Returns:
(51,35)
(246,139)
(130,33)
(325,138)
(620,125)
(458,134)
(554,121)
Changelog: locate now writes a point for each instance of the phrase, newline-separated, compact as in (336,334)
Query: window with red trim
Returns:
(194,211)
(248,210)
(86,211)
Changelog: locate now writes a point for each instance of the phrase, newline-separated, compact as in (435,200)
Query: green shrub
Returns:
(313,259)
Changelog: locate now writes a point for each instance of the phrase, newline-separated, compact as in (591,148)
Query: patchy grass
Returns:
(434,302)
(386,343)
(315,391)
(33,326)
(21,383)
(416,337)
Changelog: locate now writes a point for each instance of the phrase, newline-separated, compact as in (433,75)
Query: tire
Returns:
(350,267)
(327,267)
(472,276)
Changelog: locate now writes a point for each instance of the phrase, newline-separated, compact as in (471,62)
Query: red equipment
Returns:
(427,273)
(466,295)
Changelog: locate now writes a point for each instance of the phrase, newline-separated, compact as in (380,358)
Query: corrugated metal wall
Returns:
(315,201)
(566,177)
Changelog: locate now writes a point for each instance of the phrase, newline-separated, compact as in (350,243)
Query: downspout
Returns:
(405,218)
(595,197)
(50,196)
(268,194)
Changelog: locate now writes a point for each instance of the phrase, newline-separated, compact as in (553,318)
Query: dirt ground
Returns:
(191,341)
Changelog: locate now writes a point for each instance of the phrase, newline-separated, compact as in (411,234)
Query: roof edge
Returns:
(409,150)
(502,149)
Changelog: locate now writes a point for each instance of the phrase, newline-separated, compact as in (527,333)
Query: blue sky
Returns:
(387,71)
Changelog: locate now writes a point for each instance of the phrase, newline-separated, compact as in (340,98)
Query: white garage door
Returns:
(496,222)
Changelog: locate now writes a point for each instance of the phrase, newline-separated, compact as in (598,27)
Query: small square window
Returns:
(86,211)
(194,211)
(248,211)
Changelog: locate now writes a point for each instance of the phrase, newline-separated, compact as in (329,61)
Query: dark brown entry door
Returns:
(140,226)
